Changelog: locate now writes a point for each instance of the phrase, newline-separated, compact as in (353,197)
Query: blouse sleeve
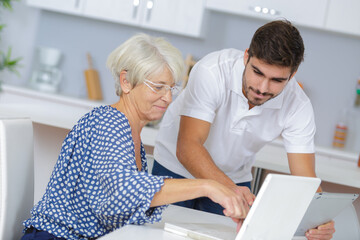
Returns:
(117,192)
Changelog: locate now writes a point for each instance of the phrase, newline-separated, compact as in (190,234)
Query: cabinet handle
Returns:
(77,4)
(149,7)
(265,10)
(136,4)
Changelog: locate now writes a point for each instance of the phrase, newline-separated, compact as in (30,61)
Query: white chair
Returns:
(347,225)
(16,175)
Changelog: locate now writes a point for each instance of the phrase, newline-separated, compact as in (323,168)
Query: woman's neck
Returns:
(136,124)
(129,110)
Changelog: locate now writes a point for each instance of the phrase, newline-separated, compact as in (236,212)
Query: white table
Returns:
(224,227)
(174,214)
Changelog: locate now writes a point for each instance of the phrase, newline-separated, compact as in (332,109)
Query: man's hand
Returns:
(322,232)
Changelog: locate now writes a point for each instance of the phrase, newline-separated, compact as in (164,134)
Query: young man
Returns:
(234,103)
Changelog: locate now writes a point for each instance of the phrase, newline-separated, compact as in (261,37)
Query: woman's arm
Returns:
(175,190)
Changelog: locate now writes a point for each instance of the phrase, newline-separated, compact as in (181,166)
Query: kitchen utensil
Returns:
(92,81)
(46,75)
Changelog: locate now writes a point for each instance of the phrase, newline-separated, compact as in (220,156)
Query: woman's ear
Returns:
(124,83)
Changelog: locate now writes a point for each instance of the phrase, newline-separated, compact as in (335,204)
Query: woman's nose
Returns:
(167,97)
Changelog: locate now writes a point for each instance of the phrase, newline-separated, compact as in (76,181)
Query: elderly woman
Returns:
(100,181)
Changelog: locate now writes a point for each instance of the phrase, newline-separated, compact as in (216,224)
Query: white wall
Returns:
(329,72)
(19,34)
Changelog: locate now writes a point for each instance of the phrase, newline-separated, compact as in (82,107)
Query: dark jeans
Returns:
(203,203)
(32,234)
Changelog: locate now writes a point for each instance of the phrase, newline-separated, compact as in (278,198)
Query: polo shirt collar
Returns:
(236,78)
(236,86)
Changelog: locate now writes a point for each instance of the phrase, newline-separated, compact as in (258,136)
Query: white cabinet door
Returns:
(67,6)
(177,16)
(124,11)
(344,16)
(304,12)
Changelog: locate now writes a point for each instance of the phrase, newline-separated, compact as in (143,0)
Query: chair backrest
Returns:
(16,175)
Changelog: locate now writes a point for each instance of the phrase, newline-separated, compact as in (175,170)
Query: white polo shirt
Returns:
(214,94)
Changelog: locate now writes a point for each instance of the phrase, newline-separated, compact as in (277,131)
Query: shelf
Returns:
(332,165)
(53,109)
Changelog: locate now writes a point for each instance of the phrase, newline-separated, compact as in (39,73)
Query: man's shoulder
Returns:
(295,97)
(296,91)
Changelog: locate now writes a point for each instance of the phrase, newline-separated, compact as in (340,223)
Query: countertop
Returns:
(54,110)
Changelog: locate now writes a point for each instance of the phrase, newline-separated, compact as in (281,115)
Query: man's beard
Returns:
(256,101)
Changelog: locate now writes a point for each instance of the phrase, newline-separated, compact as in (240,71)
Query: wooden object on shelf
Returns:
(92,81)
(189,63)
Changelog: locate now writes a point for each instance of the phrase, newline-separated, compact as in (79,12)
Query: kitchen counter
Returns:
(53,109)
(332,165)
(58,111)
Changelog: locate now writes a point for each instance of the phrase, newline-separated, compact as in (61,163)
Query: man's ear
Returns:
(246,56)
(124,83)
(292,75)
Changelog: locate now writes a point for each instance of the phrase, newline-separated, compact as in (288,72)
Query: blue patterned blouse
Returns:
(95,186)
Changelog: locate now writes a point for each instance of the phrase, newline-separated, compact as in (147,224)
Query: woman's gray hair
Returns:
(142,56)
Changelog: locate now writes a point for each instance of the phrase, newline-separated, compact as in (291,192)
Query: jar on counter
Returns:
(341,130)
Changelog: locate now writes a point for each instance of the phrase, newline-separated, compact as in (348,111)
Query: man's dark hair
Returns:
(278,43)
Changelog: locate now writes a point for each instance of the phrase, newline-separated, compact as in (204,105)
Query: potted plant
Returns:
(6,60)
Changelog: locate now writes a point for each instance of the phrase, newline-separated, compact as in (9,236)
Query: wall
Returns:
(329,73)
(19,34)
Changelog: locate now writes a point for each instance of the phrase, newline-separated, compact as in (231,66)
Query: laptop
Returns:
(281,201)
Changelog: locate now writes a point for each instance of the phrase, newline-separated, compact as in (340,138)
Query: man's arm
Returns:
(192,153)
(197,160)
(302,164)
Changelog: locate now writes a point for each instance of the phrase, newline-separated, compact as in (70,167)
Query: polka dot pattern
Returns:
(95,186)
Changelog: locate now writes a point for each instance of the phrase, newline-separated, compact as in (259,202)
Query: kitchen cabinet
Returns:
(124,11)
(66,6)
(343,16)
(179,16)
(183,17)
(306,12)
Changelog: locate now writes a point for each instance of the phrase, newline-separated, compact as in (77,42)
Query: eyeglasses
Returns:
(160,88)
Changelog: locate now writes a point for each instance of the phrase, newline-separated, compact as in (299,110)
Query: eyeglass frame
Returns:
(167,87)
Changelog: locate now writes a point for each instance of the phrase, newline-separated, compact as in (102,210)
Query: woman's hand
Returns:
(322,232)
(239,223)
(235,202)
(245,193)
